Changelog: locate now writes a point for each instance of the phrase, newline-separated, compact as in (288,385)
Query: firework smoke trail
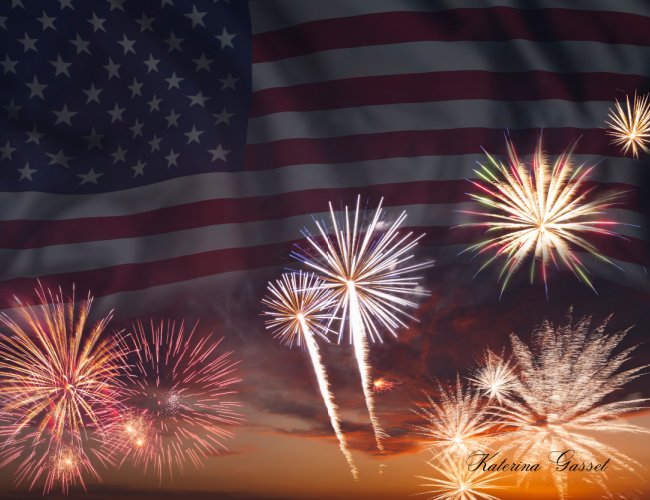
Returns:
(176,411)
(542,212)
(630,127)
(59,390)
(298,310)
(371,277)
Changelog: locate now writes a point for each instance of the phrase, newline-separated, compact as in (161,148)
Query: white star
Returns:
(7,151)
(173,81)
(59,159)
(172,119)
(145,23)
(203,63)
(26,172)
(118,155)
(171,158)
(64,116)
(223,117)
(65,3)
(153,104)
(29,43)
(36,89)
(127,45)
(116,4)
(91,177)
(193,135)
(155,143)
(60,66)
(135,88)
(138,168)
(97,22)
(174,42)
(81,45)
(228,82)
(8,65)
(94,140)
(196,17)
(151,63)
(219,153)
(47,22)
(226,39)
(12,110)
(112,68)
(116,114)
(93,94)
(33,136)
(198,99)
(136,130)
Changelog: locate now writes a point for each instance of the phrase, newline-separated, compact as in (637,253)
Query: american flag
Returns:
(149,148)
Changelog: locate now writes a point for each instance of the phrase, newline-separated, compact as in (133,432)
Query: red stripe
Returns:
(412,143)
(16,234)
(445,85)
(478,24)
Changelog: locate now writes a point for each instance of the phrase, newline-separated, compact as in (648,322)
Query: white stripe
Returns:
(440,115)
(33,263)
(425,57)
(269,16)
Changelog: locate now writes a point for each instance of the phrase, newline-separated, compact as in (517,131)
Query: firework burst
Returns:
(629,126)
(299,309)
(59,389)
(371,275)
(542,212)
(177,399)
(495,377)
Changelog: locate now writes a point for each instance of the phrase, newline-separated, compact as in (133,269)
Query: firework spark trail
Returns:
(371,278)
(298,308)
(541,212)
(59,390)
(630,127)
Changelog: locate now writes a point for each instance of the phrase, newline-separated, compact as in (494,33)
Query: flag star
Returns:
(119,155)
(226,39)
(153,103)
(81,45)
(203,63)
(112,68)
(171,158)
(127,45)
(91,177)
(8,65)
(219,153)
(151,63)
(98,23)
(223,117)
(59,159)
(116,114)
(198,99)
(193,135)
(145,23)
(12,110)
(116,4)
(33,136)
(138,168)
(60,66)
(172,119)
(94,140)
(64,116)
(26,172)
(93,94)
(137,129)
(36,89)
(155,143)
(173,42)
(135,88)
(29,43)
(228,82)
(47,22)
(7,151)
(65,3)
(173,81)
(196,17)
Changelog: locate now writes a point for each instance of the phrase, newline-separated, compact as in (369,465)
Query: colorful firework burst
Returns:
(371,275)
(59,389)
(495,377)
(299,308)
(630,126)
(543,212)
